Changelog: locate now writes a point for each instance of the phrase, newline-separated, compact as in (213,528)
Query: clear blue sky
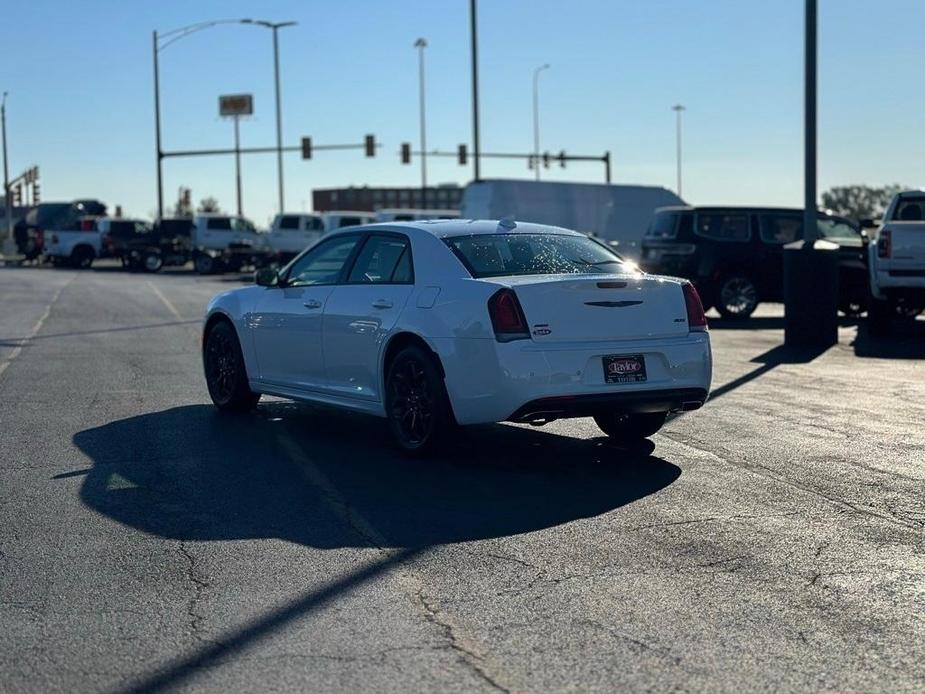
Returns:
(80,83)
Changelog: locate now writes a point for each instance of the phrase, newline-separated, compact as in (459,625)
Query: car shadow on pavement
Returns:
(324,478)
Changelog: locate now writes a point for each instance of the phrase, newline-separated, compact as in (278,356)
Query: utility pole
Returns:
(536,116)
(157,133)
(237,161)
(6,175)
(678,109)
(421,44)
(473,29)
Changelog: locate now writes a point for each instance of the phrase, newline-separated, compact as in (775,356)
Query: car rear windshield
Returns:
(664,226)
(910,210)
(498,255)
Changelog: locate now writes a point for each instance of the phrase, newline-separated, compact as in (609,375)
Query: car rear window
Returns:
(664,225)
(498,255)
(910,210)
(723,226)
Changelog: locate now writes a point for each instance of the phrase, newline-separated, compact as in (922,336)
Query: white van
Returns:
(413,215)
(615,213)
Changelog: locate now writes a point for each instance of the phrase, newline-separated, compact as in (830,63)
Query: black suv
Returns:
(734,255)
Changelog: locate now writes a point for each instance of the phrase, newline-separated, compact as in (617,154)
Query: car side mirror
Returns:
(266,277)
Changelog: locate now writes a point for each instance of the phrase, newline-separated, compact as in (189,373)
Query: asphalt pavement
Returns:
(774,540)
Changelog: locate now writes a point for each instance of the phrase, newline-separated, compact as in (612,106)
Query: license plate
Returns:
(624,369)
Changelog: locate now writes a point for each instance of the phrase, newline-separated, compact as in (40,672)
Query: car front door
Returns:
(286,325)
(361,313)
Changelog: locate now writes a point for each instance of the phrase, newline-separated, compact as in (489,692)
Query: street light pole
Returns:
(473,30)
(237,161)
(678,109)
(279,121)
(157,133)
(421,44)
(536,117)
(6,174)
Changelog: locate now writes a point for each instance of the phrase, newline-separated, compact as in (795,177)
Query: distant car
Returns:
(897,263)
(340,219)
(734,255)
(431,324)
(412,215)
(290,234)
(168,243)
(77,244)
(226,242)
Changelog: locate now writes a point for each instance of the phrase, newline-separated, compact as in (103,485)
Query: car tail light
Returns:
(696,318)
(87,225)
(885,244)
(507,318)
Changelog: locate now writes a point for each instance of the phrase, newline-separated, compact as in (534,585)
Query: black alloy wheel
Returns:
(226,376)
(417,406)
(737,297)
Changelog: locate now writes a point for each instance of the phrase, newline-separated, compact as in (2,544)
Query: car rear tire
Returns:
(82,257)
(736,297)
(226,375)
(152,261)
(416,403)
(630,428)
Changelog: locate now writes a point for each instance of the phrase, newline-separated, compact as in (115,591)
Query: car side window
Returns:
(218,223)
(779,230)
(723,226)
(323,264)
(289,222)
(383,260)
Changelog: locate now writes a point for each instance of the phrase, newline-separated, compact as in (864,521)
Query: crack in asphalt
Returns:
(196,618)
(768,473)
(467,655)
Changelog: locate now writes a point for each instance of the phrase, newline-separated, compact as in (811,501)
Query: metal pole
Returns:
(237,161)
(607,165)
(536,118)
(475,89)
(678,108)
(809,176)
(157,132)
(421,44)
(279,123)
(6,174)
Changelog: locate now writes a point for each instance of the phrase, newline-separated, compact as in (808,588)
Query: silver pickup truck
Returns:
(897,263)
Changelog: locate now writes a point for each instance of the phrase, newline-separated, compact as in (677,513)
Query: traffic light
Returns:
(306,148)
(405,153)
(370,142)
(35,192)
(562,158)
(17,195)
(546,160)
(463,155)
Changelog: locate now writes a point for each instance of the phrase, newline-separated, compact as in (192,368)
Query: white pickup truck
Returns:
(226,242)
(897,263)
(89,238)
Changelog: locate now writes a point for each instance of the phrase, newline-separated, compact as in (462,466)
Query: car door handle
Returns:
(312,303)
(382,303)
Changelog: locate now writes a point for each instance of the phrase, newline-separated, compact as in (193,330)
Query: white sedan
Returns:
(444,323)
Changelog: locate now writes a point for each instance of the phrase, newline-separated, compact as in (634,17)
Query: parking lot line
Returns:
(164,300)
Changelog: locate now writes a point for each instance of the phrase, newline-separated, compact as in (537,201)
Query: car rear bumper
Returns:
(898,281)
(488,381)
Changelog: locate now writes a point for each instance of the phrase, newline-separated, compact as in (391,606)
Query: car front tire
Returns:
(226,375)
(737,297)
(416,403)
(626,429)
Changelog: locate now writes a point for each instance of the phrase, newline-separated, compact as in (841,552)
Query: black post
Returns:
(607,165)
(6,178)
(279,123)
(811,266)
(237,161)
(475,89)
(421,45)
(157,132)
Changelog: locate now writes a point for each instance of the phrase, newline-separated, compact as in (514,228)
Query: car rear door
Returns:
(361,313)
(286,325)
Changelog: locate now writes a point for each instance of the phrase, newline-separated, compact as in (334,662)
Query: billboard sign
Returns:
(236,105)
